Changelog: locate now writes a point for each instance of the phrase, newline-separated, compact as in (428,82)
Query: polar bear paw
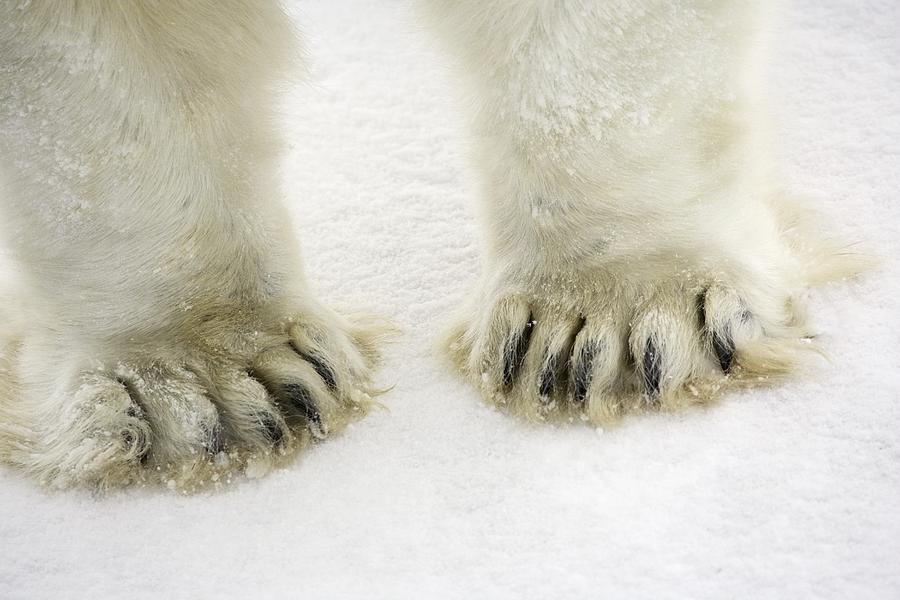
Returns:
(624,348)
(193,414)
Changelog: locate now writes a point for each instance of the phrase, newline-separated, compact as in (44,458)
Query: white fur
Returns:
(140,201)
(622,148)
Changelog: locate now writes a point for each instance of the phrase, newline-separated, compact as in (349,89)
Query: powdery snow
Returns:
(792,492)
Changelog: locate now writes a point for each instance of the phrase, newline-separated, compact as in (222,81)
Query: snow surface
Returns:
(791,492)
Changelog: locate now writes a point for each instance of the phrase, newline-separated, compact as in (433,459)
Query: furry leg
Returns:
(639,251)
(140,199)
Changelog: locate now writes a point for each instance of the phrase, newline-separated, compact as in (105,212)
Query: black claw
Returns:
(514,352)
(321,368)
(274,430)
(547,380)
(723,346)
(584,371)
(652,370)
(701,310)
(302,401)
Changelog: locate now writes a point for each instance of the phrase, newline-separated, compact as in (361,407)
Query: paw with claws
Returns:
(185,411)
(608,350)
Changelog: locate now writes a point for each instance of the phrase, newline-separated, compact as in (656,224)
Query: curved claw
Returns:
(302,401)
(272,428)
(584,372)
(700,302)
(547,380)
(652,368)
(514,352)
(319,366)
(723,346)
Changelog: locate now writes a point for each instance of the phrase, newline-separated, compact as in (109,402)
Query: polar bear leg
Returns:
(639,250)
(167,318)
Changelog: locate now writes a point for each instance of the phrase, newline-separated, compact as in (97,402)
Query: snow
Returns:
(788,492)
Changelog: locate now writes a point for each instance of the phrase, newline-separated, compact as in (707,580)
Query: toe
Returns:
(756,340)
(514,351)
(301,393)
(342,352)
(311,345)
(302,403)
(727,320)
(107,407)
(665,345)
(596,365)
(247,411)
(183,421)
(500,342)
(548,363)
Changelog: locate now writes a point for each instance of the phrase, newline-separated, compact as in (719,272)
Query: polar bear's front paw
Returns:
(189,413)
(625,348)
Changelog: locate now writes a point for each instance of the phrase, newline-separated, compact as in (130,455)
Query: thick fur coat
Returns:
(639,251)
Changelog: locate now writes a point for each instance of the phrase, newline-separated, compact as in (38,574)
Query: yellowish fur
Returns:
(169,328)
(639,252)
